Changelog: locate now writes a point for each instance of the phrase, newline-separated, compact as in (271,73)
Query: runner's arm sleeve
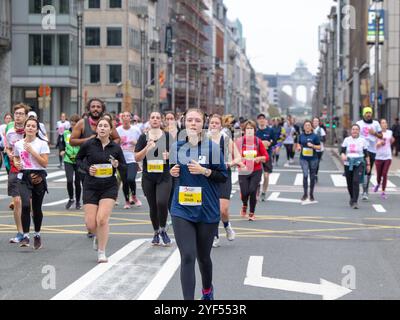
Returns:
(81,162)
(343,150)
(62,143)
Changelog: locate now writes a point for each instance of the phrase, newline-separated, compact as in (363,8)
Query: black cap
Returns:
(261,115)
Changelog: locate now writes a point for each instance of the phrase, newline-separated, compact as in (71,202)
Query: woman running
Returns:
(253,155)
(71,169)
(31,157)
(383,158)
(289,141)
(3,155)
(62,125)
(320,132)
(356,163)
(100,157)
(308,145)
(199,168)
(153,149)
(228,149)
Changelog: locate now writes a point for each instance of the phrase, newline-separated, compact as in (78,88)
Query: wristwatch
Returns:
(207,171)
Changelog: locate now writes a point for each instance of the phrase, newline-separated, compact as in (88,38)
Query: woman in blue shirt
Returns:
(308,145)
(198,168)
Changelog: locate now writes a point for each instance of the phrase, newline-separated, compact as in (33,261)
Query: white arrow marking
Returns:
(275,197)
(326,289)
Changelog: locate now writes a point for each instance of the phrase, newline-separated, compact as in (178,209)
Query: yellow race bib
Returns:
(103,170)
(250,154)
(308,152)
(190,196)
(155,166)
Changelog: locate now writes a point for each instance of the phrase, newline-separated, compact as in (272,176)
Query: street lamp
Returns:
(143,22)
(80,10)
(187,77)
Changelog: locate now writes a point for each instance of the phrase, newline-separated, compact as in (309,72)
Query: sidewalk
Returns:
(394,168)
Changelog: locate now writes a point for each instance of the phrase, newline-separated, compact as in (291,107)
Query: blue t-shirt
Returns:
(306,152)
(266,134)
(209,155)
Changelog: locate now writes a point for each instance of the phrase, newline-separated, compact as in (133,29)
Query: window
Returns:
(134,75)
(94,4)
(48,50)
(134,39)
(93,73)
(35,50)
(114,37)
(114,73)
(115,4)
(92,36)
(35,6)
(63,50)
(64,6)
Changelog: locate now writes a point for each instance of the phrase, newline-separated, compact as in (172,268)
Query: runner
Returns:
(85,129)
(253,155)
(289,141)
(370,131)
(99,158)
(396,135)
(62,125)
(3,155)
(129,137)
(356,161)
(153,149)
(228,149)
(199,168)
(320,132)
(308,145)
(279,135)
(383,158)
(69,153)
(266,135)
(31,157)
(42,128)
(14,133)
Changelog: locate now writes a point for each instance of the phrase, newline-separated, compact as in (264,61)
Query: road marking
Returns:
(4,178)
(160,281)
(55,174)
(76,287)
(235,177)
(273,179)
(61,180)
(275,197)
(326,289)
(56,203)
(339,180)
(299,179)
(379,208)
(390,185)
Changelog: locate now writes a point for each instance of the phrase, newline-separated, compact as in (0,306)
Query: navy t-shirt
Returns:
(209,155)
(266,134)
(306,152)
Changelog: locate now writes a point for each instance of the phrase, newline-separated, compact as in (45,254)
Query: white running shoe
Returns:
(216,242)
(95,244)
(230,234)
(101,257)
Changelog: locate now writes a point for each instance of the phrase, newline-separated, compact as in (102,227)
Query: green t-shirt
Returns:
(70,151)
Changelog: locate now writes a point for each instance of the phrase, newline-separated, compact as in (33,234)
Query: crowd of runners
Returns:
(186,161)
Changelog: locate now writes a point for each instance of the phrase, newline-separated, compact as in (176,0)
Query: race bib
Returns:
(155,166)
(308,152)
(190,196)
(103,170)
(250,154)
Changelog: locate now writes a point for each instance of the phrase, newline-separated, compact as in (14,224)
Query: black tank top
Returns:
(87,129)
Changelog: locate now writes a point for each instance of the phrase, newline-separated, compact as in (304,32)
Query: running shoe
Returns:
(216,242)
(69,204)
(365,196)
(165,238)
(78,206)
(127,205)
(304,198)
(230,234)
(263,196)
(252,217)
(384,196)
(243,212)
(208,296)
(156,239)
(101,257)
(136,201)
(355,205)
(286,165)
(24,242)
(90,235)
(312,198)
(95,244)
(376,188)
(18,238)
(37,242)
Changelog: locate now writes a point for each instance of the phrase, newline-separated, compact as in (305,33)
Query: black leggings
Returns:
(367,179)
(37,195)
(319,155)
(157,195)
(353,182)
(289,151)
(248,188)
(71,170)
(194,240)
(129,180)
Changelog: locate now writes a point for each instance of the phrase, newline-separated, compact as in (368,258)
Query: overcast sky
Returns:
(281,32)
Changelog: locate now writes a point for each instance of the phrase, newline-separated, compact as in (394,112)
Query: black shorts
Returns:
(225,189)
(267,166)
(13,188)
(93,196)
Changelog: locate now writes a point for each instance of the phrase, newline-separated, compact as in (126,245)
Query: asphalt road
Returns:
(283,255)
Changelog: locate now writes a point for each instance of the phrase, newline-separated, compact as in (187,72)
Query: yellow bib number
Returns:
(250,154)
(308,152)
(190,196)
(103,170)
(155,166)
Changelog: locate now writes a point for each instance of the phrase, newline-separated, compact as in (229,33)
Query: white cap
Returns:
(32,114)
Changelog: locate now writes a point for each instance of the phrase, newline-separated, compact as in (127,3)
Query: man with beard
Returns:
(85,129)
(370,130)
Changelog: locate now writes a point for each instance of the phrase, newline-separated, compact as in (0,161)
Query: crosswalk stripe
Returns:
(339,180)
(61,180)
(4,178)
(55,174)
(374,181)
(273,179)
(299,179)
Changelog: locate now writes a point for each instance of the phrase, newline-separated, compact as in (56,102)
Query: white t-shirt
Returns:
(62,126)
(354,147)
(385,152)
(12,138)
(3,130)
(290,130)
(27,160)
(320,132)
(128,136)
(364,132)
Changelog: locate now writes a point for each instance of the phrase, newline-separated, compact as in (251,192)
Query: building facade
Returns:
(5,55)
